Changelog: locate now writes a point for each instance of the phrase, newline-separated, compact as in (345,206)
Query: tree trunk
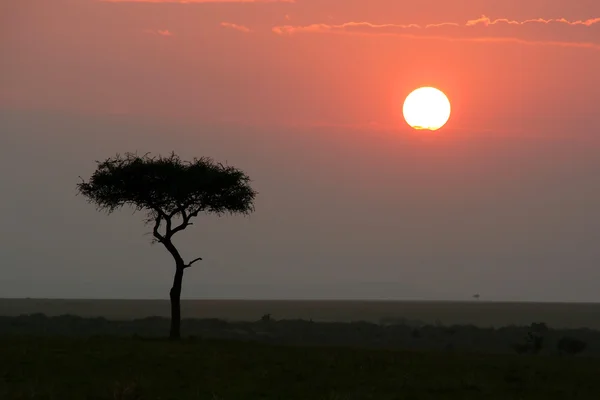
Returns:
(175,295)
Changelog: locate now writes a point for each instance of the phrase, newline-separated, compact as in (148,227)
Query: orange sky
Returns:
(209,60)
(307,95)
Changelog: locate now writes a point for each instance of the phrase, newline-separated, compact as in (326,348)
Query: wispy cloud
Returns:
(483,21)
(160,32)
(487,21)
(476,30)
(197,1)
(329,28)
(236,27)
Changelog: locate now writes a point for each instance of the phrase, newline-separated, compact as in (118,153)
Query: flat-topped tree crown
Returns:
(169,189)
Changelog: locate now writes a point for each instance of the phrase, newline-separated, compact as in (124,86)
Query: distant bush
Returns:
(534,340)
(266,318)
(570,345)
(539,328)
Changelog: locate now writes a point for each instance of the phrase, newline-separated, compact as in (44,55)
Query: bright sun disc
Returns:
(426,108)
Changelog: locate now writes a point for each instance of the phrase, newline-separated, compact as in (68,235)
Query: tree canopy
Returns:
(168,188)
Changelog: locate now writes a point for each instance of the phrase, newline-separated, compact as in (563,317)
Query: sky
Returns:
(306,97)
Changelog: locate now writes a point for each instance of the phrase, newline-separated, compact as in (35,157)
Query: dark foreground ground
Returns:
(68,357)
(125,368)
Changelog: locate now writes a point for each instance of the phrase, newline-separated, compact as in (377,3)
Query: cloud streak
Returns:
(240,28)
(475,30)
(160,32)
(482,21)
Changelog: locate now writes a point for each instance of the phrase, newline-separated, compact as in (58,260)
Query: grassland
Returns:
(70,357)
(399,335)
(477,313)
(124,368)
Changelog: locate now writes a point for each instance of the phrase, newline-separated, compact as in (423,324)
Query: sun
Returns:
(426,108)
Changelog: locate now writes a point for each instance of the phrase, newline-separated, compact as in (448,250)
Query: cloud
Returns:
(483,29)
(483,20)
(236,27)
(487,21)
(197,1)
(327,28)
(160,32)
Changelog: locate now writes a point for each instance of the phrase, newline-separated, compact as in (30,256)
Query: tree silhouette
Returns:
(171,192)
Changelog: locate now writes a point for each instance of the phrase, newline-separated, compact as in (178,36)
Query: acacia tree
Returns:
(171,192)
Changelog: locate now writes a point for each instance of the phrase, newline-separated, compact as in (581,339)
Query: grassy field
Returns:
(479,313)
(120,368)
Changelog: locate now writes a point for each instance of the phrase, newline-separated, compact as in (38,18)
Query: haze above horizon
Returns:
(306,97)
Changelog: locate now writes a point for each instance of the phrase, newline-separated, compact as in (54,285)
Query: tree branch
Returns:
(156,232)
(179,263)
(194,213)
(175,211)
(178,228)
(192,262)
(185,221)
(184,215)
(185,218)
(160,215)
(167,220)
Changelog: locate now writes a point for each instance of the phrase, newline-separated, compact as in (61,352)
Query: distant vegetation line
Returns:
(536,338)
(307,300)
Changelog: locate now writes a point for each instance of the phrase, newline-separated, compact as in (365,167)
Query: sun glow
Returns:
(426,108)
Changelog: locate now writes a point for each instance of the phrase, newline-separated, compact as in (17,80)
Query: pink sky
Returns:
(202,59)
(307,95)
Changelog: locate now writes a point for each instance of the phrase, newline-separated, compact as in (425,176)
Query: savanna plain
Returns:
(398,351)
